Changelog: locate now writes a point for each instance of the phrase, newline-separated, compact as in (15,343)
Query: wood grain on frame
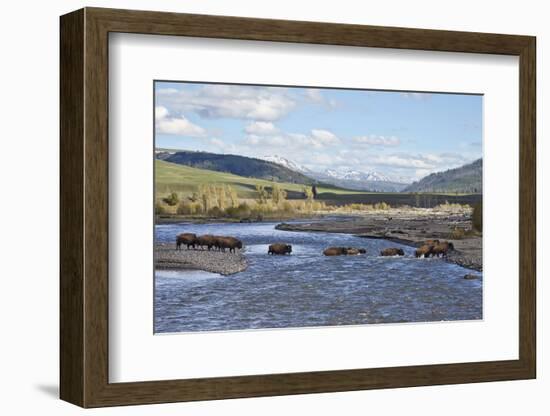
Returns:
(84,207)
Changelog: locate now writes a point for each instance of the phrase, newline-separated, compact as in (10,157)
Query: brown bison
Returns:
(187,239)
(206,240)
(392,251)
(442,249)
(231,243)
(280,249)
(352,251)
(431,242)
(335,251)
(344,251)
(424,251)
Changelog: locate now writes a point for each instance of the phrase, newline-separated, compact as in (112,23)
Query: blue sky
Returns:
(402,135)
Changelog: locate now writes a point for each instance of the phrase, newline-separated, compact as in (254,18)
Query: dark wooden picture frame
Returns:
(84,207)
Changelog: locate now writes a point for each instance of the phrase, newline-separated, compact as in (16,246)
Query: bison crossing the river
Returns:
(343,251)
(208,241)
(392,251)
(279,249)
(433,248)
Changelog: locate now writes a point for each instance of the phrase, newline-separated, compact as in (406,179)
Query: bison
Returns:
(442,249)
(280,249)
(231,243)
(188,239)
(206,240)
(431,242)
(392,251)
(424,251)
(352,251)
(343,251)
(335,251)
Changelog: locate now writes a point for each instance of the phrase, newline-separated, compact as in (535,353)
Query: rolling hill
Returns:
(238,165)
(465,179)
(172,177)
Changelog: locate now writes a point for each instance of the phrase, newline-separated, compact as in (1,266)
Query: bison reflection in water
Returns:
(279,249)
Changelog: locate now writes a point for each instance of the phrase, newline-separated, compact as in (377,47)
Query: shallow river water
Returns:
(308,289)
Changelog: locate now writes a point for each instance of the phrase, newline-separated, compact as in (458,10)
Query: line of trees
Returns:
(222,200)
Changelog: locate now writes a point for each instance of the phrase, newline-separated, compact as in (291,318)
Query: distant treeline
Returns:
(419,200)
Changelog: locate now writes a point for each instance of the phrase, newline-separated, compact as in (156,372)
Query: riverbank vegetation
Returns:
(192,193)
(215,201)
(222,201)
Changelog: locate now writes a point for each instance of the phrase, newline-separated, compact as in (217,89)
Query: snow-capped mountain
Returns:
(361,181)
(355,175)
(289,164)
(345,177)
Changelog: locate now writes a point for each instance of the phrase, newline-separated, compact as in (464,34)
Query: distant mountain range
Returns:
(289,164)
(237,165)
(360,181)
(355,175)
(465,179)
(345,178)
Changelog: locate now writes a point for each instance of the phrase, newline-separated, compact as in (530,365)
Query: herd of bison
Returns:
(433,248)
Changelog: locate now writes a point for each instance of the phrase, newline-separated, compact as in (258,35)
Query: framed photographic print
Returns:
(255,207)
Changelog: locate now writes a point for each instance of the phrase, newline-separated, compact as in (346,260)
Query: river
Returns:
(307,289)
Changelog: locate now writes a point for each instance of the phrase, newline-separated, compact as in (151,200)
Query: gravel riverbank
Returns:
(226,263)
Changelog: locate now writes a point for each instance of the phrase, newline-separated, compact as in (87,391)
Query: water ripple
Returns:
(308,289)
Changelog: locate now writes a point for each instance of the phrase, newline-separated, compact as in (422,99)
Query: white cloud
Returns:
(410,167)
(417,95)
(160,112)
(165,124)
(232,101)
(420,173)
(217,142)
(261,128)
(327,160)
(378,140)
(324,137)
(269,141)
(403,161)
(422,164)
(314,95)
(180,126)
(167,91)
(317,139)
(220,146)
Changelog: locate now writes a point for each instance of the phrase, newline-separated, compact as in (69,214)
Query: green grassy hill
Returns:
(171,177)
(184,180)
(244,166)
(465,179)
